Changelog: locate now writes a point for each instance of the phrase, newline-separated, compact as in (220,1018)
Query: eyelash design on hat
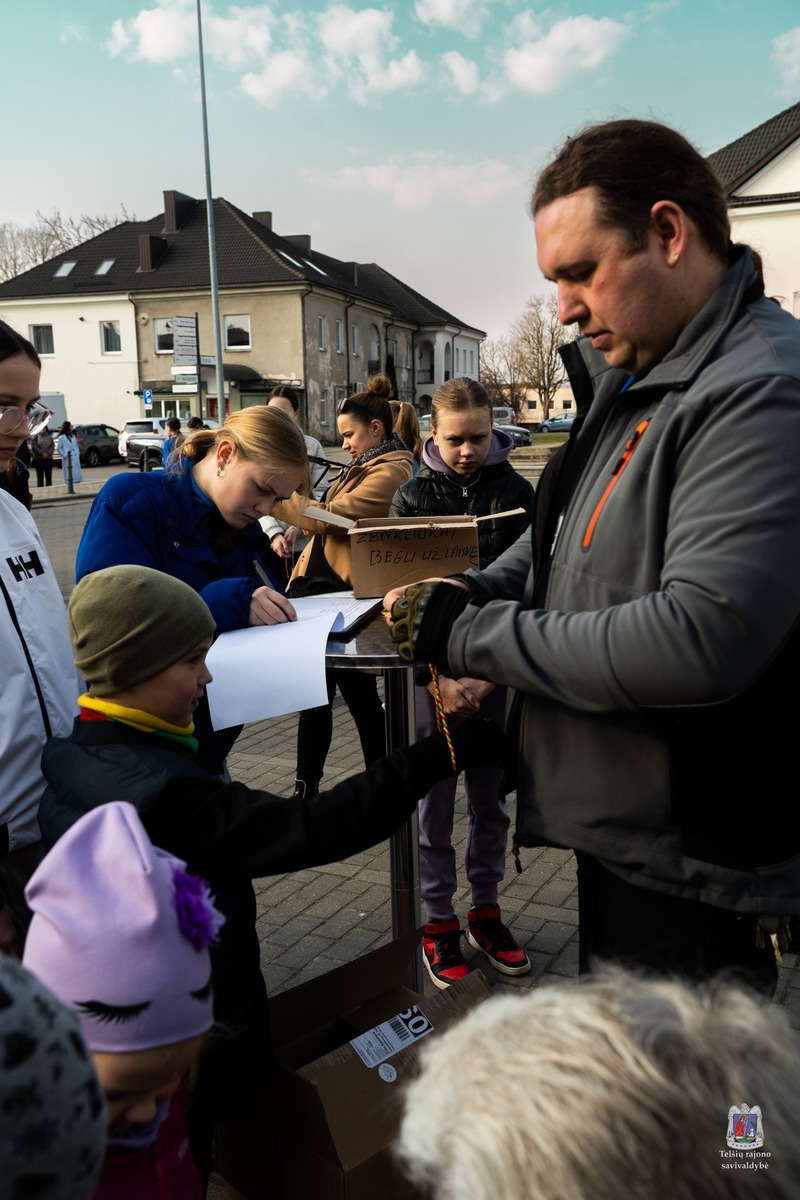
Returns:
(202,993)
(112,1014)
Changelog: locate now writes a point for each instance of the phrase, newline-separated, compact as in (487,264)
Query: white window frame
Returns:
(322,327)
(32,335)
(323,408)
(162,326)
(340,337)
(237,321)
(355,340)
(109,330)
(409,362)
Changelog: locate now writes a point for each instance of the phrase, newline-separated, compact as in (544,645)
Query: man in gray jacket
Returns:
(650,624)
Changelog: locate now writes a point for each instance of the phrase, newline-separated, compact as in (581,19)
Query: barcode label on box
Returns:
(380,1043)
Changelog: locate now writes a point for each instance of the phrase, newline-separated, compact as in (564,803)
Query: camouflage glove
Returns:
(423,618)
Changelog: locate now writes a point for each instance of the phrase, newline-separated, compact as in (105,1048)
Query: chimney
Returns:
(177,208)
(301,240)
(151,251)
(263,218)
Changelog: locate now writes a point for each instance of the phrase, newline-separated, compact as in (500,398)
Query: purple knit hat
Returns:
(120,933)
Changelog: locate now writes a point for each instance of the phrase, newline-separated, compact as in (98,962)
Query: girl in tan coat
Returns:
(380,464)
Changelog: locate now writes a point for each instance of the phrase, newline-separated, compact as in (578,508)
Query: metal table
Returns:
(372,648)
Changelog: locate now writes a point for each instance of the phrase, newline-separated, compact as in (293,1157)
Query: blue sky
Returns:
(403,133)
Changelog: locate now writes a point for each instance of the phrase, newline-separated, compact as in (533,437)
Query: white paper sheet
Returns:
(268,670)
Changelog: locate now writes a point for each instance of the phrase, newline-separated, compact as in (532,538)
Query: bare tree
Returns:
(502,372)
(538,335)
(26,246)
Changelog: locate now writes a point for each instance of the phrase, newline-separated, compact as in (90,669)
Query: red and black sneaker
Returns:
(488,934)
(441,952)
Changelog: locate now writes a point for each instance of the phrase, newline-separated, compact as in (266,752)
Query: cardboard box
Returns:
(390,552)
(346,1043)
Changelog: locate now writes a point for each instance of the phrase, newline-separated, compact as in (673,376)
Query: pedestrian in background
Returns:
(69,453)
(42,446)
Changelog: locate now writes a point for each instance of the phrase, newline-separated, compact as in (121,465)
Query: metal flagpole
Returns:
(212,242)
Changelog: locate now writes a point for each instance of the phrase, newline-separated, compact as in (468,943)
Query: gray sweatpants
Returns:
(487,823)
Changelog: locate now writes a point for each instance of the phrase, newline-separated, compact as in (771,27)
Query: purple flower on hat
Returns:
(198,920)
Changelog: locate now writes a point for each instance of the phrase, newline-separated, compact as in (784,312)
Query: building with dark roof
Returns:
(128,313)
(761,175)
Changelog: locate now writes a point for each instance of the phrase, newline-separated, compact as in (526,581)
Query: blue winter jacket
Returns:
(153,520)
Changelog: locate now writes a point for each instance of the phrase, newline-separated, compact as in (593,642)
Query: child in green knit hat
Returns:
(140,639)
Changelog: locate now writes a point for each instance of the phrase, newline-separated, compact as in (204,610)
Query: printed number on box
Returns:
(380,1043)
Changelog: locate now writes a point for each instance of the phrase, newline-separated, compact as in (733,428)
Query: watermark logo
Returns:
(745,1129)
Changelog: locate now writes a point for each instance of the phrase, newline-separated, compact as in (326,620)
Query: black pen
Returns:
(262,574)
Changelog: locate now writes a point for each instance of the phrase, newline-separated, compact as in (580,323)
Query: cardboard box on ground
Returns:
(346,1043)
(390,552)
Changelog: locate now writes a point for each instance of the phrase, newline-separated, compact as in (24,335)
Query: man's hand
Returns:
(479,688)
(270,608)
(422,619)
(397,594)
(457,697)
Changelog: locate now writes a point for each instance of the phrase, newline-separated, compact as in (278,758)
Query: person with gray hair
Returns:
(619,1089)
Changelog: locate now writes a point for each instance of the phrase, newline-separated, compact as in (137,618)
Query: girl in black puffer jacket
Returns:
(466,471)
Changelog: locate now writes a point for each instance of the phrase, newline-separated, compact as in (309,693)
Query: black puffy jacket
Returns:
(496,488)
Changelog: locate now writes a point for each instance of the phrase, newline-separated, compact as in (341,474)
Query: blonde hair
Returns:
(614,1090)
(258,434)
(459,394)
(406,426)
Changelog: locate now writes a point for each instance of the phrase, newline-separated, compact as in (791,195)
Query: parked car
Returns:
(96,443)
(560,423)
(144,451)
(503,415)
(518,433)
(425,424)
(152,428)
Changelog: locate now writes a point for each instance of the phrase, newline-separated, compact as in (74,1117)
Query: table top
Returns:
(372,646)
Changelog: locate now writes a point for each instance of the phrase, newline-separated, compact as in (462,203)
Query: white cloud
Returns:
(69,32)
(357,45)
(525,27)
(428,181)
(463,16)
(156,35)
(244,35)
(463,73)
(286,71)
(786,56)
(576,43)
(168,32)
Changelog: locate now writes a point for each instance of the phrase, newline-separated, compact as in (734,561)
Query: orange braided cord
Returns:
(441,717)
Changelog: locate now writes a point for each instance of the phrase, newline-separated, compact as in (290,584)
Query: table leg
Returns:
(404,845)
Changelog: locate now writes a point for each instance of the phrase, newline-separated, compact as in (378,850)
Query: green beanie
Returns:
(129,623)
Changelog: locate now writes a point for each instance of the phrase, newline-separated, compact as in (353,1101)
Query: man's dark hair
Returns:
(173,424)
(633,165)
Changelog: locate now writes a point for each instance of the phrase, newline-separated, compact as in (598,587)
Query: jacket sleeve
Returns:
(370,496)
(118,530)
(729,593)
(125,529)
(403,504)
(230,830)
